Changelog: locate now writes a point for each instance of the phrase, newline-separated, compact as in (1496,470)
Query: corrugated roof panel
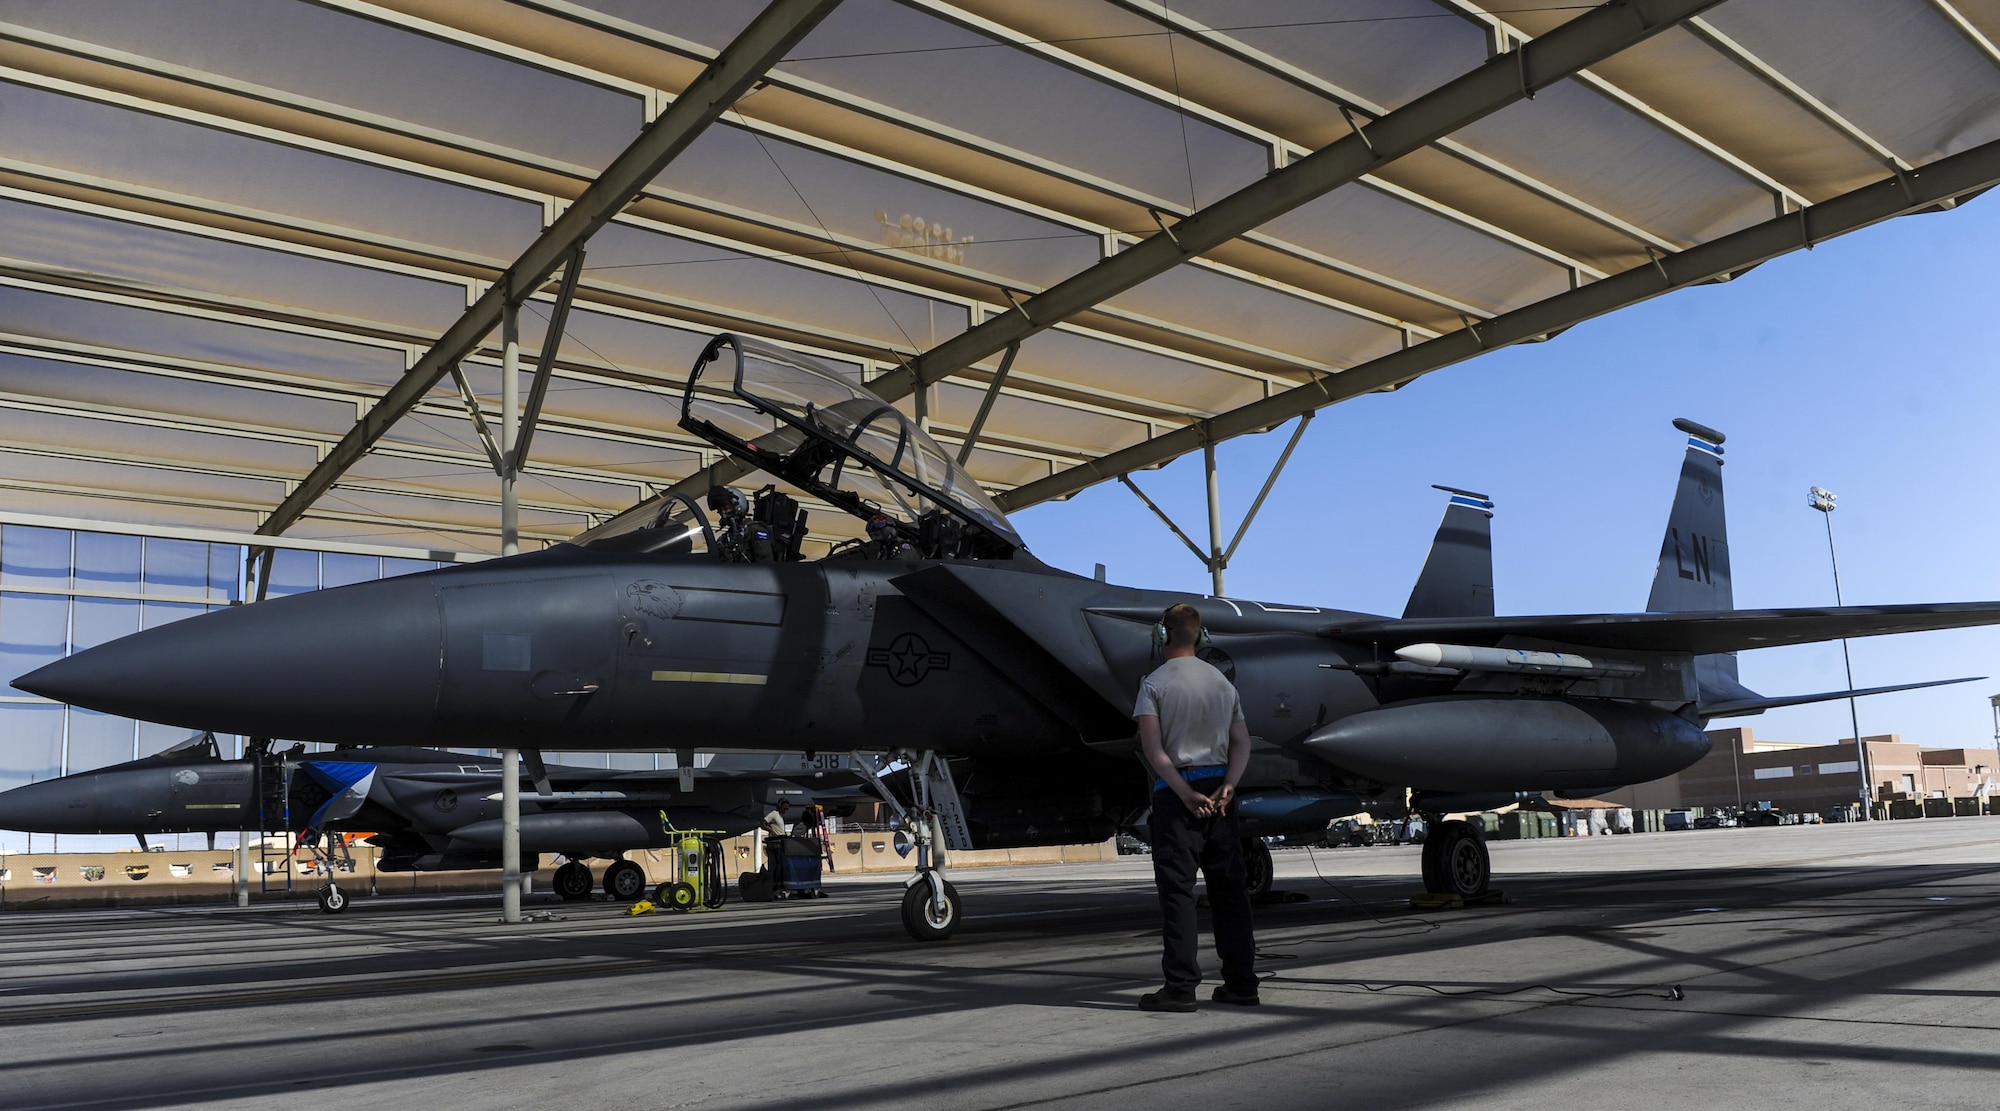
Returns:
(814,190)
(76,136)
(100,249)
(80,320)
(363,64)
(1234,309)
(84,384)
(1574,138)
(970,81)
(1860,56)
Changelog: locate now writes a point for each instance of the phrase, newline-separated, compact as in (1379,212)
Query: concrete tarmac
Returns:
(1816,967)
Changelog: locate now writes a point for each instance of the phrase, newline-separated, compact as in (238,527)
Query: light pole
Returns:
(1823,500)
(1995,701)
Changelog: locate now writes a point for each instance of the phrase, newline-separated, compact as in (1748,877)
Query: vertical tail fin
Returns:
(1693,572)
(1457,580)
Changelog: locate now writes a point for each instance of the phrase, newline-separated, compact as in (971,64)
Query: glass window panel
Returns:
(155,614)
(393,567)
(105,561)
(33,751)
(341,569)
(575,759)
(98,620)
(34,630)
(224,565)
(631,761)
(98,740)
(293,572)
(176,567)
(34,557)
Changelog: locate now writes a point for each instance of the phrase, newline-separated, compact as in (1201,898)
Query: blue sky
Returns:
(1863,366)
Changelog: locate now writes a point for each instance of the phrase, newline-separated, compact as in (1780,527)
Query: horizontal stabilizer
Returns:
(1697,632)
(1739,707)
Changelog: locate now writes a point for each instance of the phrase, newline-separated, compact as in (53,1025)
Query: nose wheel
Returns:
(332,900)
(573,881)
(1456,861)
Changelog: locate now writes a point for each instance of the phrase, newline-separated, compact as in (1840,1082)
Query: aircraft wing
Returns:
(1693,631)
(1739,707)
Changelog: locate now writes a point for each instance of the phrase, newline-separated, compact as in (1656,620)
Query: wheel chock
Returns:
(643,906)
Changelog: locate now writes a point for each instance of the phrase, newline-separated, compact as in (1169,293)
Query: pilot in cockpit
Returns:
(884,542)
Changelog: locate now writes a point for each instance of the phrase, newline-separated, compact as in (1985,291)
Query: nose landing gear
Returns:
(1455,860)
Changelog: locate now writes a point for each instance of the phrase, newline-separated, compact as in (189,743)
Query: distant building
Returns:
(1745,770)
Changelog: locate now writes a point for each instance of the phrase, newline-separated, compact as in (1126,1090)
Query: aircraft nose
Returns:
(45,808)
(352,663)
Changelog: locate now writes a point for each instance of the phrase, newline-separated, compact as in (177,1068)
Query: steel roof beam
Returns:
(1941,184)
(1501,81)
(740,65)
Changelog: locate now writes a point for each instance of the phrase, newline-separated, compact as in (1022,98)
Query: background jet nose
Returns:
(353,663)
(45,808)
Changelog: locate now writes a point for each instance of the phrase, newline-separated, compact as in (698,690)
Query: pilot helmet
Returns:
(880,526)
(724,499)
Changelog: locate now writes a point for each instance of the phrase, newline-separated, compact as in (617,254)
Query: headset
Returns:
(1201,639)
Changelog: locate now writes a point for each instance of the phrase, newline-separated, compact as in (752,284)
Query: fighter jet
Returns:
(428,811)
(942,639)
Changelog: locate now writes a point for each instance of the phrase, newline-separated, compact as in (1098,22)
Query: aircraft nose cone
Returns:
(45,808)
(355,663)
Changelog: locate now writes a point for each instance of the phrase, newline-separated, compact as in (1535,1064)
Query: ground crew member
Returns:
(777,821)
(1192,734)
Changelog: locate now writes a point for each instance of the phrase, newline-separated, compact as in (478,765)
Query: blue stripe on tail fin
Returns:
(1457,580)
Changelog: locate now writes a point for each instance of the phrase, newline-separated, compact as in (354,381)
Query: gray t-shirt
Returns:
(1195,705)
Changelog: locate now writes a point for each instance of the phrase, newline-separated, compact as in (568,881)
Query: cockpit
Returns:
(800,422)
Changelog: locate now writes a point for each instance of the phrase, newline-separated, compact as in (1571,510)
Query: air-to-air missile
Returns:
(690,621)
(426,810)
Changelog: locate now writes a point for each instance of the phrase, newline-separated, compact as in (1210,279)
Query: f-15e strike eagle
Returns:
(943,640)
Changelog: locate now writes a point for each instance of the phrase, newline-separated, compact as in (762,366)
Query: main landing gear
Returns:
(624,881)
(1455,860)
(933,821)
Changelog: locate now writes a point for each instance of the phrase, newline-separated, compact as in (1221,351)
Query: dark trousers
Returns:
(1182,841)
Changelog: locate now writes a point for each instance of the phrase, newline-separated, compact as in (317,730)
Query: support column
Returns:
(510,431)
(1214,518)
(242,867)
(510,835)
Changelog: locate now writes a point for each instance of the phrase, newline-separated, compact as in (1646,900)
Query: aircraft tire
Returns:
(332,900)
(921,921)
(573,881)
(1258,871)
(1456,861)
(624,882)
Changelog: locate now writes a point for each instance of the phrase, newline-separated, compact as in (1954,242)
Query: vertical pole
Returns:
(510,835)
(1853,715)
(242,867)
(510,431)
(1214,519)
